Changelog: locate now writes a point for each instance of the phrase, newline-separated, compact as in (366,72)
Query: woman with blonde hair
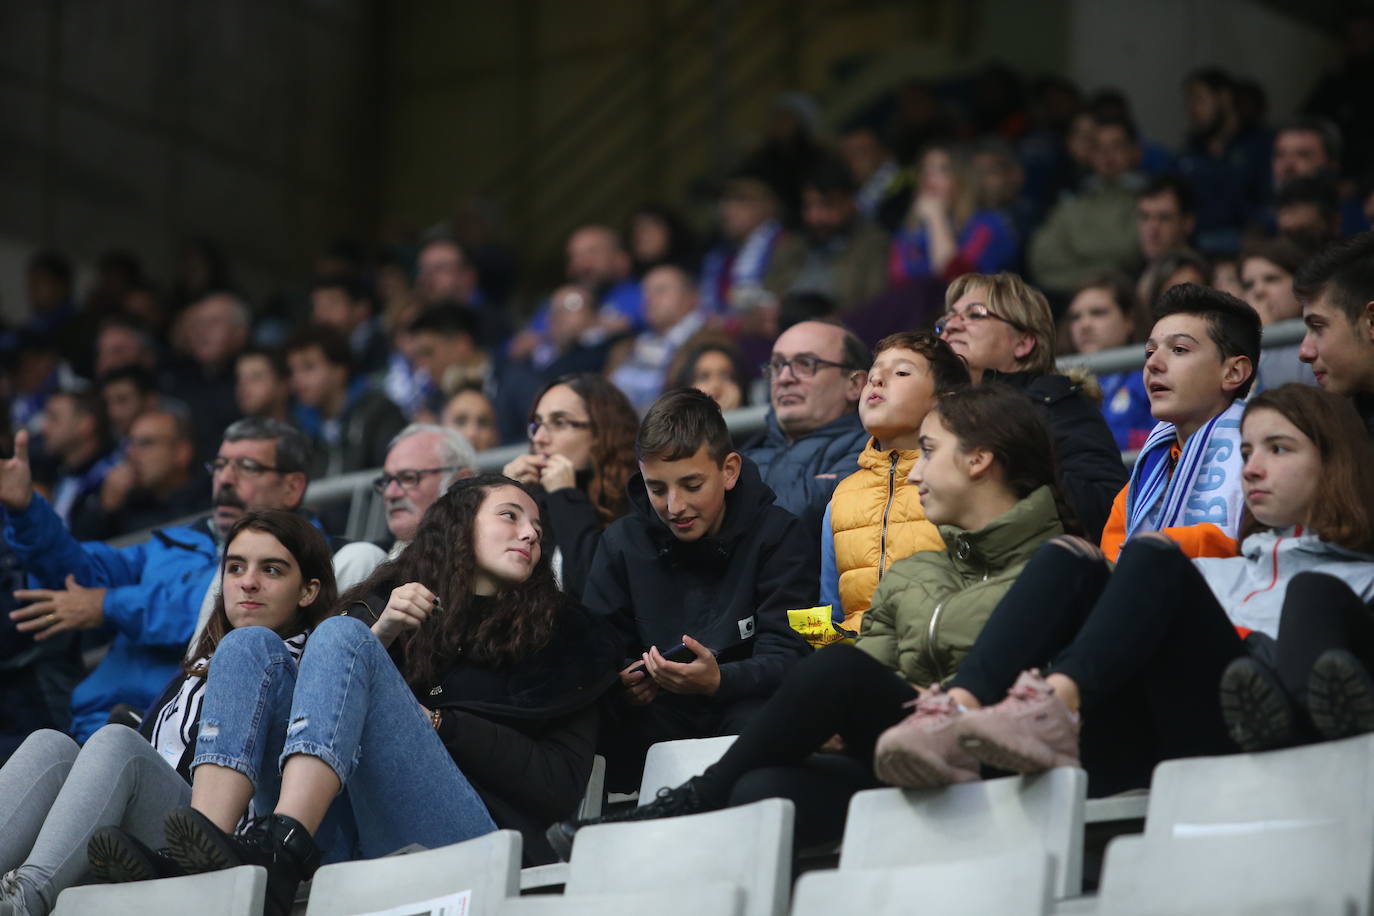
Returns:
(1004,330)
(945,233)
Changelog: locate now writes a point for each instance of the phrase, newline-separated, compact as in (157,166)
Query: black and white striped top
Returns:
(176,724)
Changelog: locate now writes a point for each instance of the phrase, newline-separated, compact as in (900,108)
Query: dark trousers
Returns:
(837,691)
(1146,645)
(627,732)
(1320,612)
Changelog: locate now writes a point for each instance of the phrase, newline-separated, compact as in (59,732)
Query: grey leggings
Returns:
(54,794)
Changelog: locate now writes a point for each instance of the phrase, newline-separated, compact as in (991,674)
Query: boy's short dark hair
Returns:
(141,377)
(1233,325)
(447,319)
(946,367)
(680,422)
(276,359)
(1343,272)
(1175,185)
(332,343)
(1319,191)
(352,287)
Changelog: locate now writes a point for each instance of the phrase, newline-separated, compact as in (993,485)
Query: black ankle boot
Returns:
(685,799)
(117,856)
(1259,713)
(1340,695)
(276,842)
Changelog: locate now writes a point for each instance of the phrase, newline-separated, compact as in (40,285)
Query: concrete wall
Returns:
(137,123)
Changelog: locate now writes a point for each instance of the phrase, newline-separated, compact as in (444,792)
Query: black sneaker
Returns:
(1259,713)
(1340,695)
(277,842)
(117,856)
(685,799)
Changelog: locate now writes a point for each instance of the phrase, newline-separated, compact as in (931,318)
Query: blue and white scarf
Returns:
(1204,487)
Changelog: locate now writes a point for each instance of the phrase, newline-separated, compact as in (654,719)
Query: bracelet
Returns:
(435,716)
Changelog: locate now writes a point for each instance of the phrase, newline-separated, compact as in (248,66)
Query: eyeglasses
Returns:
(972,314)
(557,424)
(245,466)
(409,478)
(803,366)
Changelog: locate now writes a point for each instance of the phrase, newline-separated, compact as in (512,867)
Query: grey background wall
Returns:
(278,126)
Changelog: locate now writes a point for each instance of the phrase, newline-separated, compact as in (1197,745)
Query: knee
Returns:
(50,745)
(1314,589)
(831,659)
(1153,547)
(336,632)
(255,642)
(116,739)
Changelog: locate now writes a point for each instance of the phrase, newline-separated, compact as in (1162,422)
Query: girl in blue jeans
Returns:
(455,695)
(116,790)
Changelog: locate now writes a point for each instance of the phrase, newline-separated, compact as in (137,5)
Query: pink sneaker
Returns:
(1029,732)
(922,751)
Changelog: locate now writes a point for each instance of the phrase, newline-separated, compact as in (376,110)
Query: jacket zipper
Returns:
(930,634)
(882,539)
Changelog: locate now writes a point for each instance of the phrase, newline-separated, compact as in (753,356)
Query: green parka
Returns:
(932,605)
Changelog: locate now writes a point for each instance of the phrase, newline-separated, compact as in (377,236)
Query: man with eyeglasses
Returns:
(157,481)
(422,462)
(147,595)
(813,436)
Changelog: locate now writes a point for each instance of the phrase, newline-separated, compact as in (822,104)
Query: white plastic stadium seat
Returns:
(671,763)
(681,900)
(897,827)
(232,892)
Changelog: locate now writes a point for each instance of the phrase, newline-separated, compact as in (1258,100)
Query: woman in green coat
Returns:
(985,475)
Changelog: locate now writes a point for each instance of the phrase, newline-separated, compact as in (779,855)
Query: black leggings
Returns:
(1320,612)
(1146,645)
(838,690)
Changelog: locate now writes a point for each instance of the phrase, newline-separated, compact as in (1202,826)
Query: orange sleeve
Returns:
(1205,540)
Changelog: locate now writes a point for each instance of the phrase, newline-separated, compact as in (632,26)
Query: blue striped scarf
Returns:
(1204,487)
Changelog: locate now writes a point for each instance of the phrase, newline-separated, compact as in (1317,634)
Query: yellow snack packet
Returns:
(816,626)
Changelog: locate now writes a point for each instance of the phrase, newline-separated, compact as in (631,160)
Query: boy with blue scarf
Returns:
(1199,364)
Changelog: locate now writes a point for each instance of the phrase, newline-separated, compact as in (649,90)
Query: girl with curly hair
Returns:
(582,436)
(454,696)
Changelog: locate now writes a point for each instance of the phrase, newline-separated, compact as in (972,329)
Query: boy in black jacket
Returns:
(706,560)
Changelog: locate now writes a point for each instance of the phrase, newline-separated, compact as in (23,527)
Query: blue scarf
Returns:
(1204,487)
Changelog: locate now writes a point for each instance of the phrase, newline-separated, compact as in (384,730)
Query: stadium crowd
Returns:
(997,591)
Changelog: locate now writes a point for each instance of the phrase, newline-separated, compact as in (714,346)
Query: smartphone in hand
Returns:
(678,653)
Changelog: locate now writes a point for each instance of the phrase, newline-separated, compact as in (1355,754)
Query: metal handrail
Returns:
(1123,359)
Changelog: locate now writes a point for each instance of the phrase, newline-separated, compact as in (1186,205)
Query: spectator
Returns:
(659,235)
(875,516)
(1309,146)
(1181,266)
(262,386)
(812,436)
(1226,162)
(1307,210)
(582,431)
(422,462)
(49,285)
(837,253)
(282,577)
(147,593)
(76,439)
(345,304)
(443,274)
(638,366)
(575,340)
(121,342)
(1001,182)
(1165,217)
(1226,275)
(1103,315)
(704,560)
(1003,329)
(349,417)
(1266,272)
(1199,365)
(733,271)
(713,365)
(157,481)
(210,333)
(945,232)
(1155,159)
(873,166)
(126,393)
(471,413)
(1095,231)
(1336,289)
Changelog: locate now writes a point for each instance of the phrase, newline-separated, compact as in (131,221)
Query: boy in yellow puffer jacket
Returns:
(875,516)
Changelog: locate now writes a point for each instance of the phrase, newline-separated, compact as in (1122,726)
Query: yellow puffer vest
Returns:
(876,517)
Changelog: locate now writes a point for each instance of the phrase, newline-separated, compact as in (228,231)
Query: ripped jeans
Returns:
(348,706)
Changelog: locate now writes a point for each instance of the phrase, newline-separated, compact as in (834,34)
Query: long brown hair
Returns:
(307,546)
(1341,507)
(510,626)
(614,423)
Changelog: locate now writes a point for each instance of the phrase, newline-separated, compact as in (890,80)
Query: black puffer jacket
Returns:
(524,734)
(1090,468)
(731,591)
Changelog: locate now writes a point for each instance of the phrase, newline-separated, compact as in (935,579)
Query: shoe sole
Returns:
(195,848)
(1014,757)
(1340,696)
(1257,714)
(113,862)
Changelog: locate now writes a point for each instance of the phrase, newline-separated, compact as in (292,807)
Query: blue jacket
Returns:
(155,590)
(803,474)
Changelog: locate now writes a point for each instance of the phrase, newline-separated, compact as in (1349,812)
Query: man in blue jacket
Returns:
(147,595)
(813,437)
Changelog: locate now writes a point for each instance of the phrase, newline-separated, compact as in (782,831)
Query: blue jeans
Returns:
(348,706)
